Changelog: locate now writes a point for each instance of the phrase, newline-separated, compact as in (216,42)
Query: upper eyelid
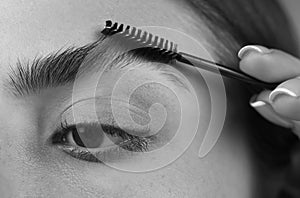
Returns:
(69,110)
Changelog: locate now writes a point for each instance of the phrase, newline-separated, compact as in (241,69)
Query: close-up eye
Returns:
(95,142)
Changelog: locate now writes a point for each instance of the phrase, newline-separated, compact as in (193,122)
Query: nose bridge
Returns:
(6,187)
(6,157)
(19,169)
(17,147)
(9,168)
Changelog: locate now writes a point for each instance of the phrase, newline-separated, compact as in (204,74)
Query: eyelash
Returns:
(129,143)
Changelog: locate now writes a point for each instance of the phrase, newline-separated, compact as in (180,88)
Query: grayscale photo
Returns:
(150,99)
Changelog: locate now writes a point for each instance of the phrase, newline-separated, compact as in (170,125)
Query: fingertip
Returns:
(262,105)
(252,49)
(287,107)
(281,91)
(256,103)
(250,63)
(268,65)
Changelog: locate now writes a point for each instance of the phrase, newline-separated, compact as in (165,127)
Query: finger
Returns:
(268,65)
(262,105)
(285,99)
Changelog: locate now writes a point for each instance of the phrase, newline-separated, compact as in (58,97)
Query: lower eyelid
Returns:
(84,155)
(115,153)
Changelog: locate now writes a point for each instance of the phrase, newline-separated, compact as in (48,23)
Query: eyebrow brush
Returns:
(142,39)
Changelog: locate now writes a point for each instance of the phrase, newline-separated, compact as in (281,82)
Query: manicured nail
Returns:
(266,110)
(256,103)
(245,51)
(281,91)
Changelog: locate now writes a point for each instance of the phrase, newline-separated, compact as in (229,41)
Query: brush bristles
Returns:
(140,37)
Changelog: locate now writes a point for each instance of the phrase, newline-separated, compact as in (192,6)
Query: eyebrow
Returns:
(62,67)
(56,69)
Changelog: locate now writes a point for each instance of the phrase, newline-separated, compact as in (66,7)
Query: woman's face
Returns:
(33,164)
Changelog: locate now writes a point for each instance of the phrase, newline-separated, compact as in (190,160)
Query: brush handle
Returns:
(223,70)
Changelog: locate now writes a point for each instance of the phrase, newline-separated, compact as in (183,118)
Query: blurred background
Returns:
(293,10)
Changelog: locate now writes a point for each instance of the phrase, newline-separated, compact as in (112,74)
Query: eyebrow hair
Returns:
(53,70)
(62,67)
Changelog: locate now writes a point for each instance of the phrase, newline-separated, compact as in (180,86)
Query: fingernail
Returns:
(245,51)
(281,91)
(256,103)
(266,110)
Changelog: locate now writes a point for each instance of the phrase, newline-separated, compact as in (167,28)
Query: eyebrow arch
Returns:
(62,67)
(56,69)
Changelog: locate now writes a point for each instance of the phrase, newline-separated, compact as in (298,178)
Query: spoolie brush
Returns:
(137,38)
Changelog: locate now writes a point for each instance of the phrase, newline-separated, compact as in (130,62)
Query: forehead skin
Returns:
(31,28)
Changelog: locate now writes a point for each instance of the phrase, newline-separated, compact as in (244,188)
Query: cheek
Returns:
(225,167)
(171,181)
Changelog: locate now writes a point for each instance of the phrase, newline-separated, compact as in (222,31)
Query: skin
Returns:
(281,105)
(283,101)
(31,166)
